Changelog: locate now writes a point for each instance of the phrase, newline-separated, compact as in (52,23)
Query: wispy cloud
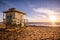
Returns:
(46,12)
(42,14)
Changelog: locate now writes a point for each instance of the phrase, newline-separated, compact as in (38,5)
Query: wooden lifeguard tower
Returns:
(14,19)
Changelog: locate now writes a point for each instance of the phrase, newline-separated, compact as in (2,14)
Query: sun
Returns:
(52,18)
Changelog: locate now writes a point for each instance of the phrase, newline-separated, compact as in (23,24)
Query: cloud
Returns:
(34,19)
(45,11)
(42,14)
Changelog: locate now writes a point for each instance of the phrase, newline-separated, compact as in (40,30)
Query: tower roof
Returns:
(13,10)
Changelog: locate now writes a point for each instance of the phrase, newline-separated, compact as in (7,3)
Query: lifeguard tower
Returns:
(14,18)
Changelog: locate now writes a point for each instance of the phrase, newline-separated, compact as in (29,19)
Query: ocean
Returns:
(43,24)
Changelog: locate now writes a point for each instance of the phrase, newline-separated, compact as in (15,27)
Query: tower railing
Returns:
(21,23)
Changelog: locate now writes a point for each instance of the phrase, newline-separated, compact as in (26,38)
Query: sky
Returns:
(36,10)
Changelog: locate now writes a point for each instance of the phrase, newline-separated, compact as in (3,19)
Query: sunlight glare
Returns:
(52,18)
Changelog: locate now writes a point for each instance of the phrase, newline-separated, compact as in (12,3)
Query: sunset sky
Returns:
(36,10)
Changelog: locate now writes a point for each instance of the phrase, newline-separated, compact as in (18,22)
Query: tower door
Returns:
(9,20)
